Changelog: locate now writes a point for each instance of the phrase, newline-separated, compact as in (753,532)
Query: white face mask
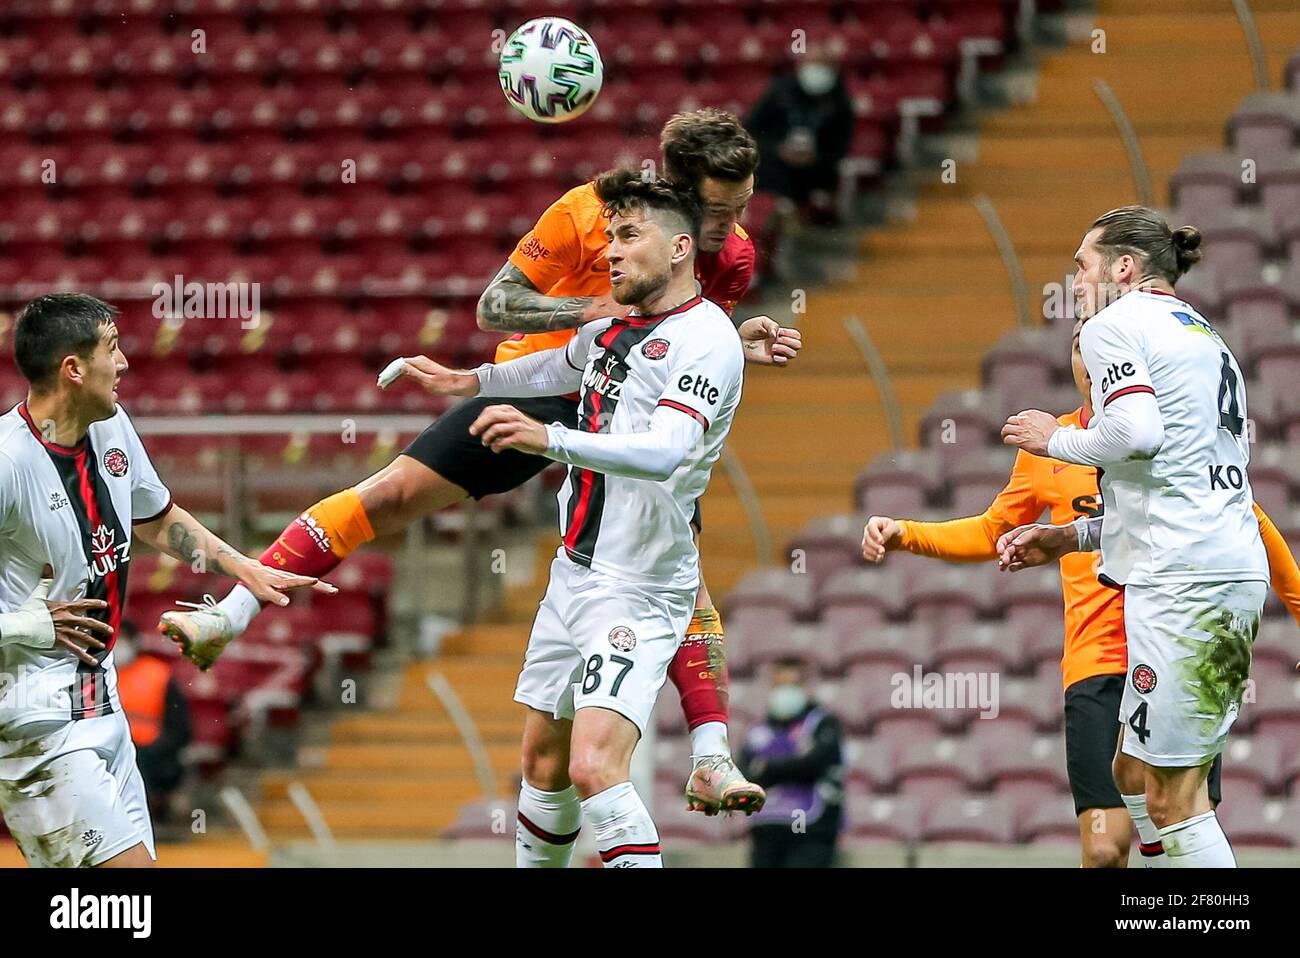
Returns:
(786,701)
(816,79)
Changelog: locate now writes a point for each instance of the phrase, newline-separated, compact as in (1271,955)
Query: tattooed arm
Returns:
(181,536)
(512,304)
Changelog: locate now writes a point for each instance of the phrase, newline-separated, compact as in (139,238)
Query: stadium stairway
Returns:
(932,291)
(400,773)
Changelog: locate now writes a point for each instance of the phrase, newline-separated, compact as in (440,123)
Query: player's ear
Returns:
(72,368)
(682,247)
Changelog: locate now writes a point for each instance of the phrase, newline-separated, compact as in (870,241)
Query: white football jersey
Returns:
(73,509)
(689,359)
(1186,515)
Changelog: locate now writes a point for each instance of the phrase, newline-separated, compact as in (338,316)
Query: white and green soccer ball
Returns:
(551,70)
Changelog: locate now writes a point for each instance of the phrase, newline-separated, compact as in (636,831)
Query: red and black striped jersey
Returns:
(71,508)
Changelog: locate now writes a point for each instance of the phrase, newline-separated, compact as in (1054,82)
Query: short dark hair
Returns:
(708,142)
(1144,234)
(622,190)
(54,326)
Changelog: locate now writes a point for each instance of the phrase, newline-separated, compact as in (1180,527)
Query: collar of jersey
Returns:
(655,317)
(76,450)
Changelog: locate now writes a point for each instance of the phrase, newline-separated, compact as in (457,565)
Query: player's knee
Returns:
(545,769)
(1102,851)
(594,769)
(1161,806)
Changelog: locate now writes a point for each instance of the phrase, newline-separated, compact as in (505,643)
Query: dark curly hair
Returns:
(622,190)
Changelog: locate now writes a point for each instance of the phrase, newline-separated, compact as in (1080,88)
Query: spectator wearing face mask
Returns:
(804,126)
(797,755)
(159,716)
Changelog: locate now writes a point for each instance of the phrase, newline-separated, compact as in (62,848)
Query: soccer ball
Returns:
(550,70)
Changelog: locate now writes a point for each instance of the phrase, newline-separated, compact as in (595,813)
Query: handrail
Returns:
(880,376)
(1128,136)
(1010,260)
(217,425)
(1254,45)
(242,812)
(312,815)
(469,734)
(748,496)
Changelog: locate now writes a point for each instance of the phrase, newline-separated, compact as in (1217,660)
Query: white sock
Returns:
(1149,845)
(709,738)
(547,827)
(625,834)
(242,607)
(1198,842)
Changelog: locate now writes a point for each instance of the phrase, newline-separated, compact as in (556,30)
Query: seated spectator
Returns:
(797,755)
(159,716)
(804,126)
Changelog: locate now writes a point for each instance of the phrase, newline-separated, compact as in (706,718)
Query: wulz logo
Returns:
(108,553)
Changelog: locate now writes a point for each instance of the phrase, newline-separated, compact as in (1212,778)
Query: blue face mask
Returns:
(786,702)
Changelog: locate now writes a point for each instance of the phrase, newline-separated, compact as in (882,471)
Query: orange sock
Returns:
(322,537)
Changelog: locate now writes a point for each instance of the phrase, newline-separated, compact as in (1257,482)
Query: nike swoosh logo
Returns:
(696,665)
(1056,469)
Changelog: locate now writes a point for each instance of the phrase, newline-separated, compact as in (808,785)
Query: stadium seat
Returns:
(874,818)
(988,820)
(897,483)
(1255,825)
(1264,123)
(826,546)
(899,646)
(869,763)
(1252,766)
(1052,821)
(978,648)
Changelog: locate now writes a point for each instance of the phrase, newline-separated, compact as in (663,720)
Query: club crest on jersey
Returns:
(108,553)
(655,349)
(116,463)
(622,638)
(1144,678)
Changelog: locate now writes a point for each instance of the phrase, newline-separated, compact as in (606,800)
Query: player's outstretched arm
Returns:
(547,372)
(1037,544)
(768,343)
(968,539)
(180,535)
(512,304)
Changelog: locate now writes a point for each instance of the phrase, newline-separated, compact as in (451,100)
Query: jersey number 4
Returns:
(1138,723)
(1229,405)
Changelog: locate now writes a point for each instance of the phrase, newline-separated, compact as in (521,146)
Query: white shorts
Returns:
(1189,648)
(74,797)
(601,642)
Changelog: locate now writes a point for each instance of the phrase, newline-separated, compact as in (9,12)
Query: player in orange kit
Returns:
(1094,663)
(556,280)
